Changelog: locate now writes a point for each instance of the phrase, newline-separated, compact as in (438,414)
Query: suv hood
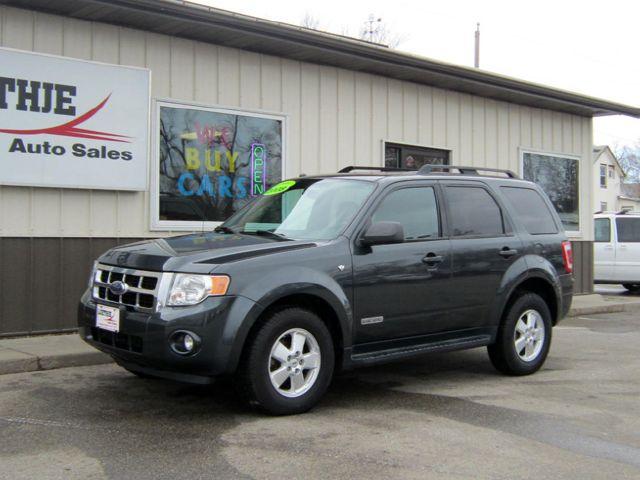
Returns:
(196,253)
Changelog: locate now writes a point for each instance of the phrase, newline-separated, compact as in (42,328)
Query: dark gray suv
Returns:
(332,272)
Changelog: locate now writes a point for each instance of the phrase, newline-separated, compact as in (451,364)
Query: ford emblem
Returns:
(118,288)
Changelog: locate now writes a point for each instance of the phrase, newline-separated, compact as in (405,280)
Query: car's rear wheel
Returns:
(288,363)
(632,287)
(524,337)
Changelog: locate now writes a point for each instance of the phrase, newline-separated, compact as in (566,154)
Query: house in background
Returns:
(608,182)
(630,197)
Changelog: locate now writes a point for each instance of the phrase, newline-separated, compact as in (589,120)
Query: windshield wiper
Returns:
(266,233)
(223,229)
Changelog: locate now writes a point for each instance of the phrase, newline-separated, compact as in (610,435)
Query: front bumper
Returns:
(142,343)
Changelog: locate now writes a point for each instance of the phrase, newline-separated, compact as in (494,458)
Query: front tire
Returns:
(524,337)
(288,364)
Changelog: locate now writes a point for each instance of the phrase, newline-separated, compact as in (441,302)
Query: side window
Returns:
(602,230)
(415,208)
(531,209)
(628,230)
(473,212)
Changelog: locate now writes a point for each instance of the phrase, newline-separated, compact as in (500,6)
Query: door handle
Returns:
(507,252)
(432,259)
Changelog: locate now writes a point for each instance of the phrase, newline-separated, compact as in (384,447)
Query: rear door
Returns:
(604,254)
(483,246)
(627,262)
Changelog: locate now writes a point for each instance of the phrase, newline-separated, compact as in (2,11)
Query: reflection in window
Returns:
(558,177)
(411,157)
(414,208)
(473,212)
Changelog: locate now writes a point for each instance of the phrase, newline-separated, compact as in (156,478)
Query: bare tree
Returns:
(375,30)
(629,159)
(309,21)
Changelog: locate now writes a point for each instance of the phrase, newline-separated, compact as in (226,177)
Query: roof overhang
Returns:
(206,24)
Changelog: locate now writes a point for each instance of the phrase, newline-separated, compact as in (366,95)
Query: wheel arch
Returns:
(540,285)
(322,303)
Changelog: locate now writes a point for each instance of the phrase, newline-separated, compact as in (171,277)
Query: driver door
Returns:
(402,290)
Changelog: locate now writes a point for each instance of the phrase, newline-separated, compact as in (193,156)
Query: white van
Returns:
(617,249)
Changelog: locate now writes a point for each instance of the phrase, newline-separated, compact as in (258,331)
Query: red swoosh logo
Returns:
(70,129)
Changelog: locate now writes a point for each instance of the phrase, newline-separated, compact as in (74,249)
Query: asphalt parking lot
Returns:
(442,416)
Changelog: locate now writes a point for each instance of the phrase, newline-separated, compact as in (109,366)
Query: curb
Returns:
(18,362)
(613,308)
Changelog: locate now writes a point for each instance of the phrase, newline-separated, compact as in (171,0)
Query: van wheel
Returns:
(524,337)
(632,287)
(288,365)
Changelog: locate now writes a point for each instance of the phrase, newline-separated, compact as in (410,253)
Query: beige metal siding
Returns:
(336,117)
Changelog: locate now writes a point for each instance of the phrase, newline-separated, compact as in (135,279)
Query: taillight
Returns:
(567,256)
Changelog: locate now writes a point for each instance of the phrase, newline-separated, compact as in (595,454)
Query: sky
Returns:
(587,46)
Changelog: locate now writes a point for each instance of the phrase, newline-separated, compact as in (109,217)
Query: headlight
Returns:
(189,289)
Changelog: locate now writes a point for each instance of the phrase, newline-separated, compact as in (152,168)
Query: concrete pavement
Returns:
(444,416)
(47,352)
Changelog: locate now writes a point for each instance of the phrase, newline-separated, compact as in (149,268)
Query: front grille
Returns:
(142,287)
(131,343)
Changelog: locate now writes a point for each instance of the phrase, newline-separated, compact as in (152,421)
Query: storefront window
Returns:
(412,157)
(558,177)
(212,162)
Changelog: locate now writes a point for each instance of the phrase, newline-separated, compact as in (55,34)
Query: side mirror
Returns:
(383,233)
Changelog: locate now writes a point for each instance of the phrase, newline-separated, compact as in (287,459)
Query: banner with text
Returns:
(72,123)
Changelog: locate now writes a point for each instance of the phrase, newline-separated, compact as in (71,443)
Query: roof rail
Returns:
(375,169)
(428,169)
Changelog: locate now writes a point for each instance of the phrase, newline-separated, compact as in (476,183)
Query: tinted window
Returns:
(602,230)
(628,230)
(473,212)
(414,208)
(532,210)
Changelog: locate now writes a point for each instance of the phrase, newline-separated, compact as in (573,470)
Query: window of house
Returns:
(532,210)
(473,212)
(603,176)
(407,156)
(612,171)
(211,162)
(602,230)
(420,221)
(603,206)
(558,175)
(628,230)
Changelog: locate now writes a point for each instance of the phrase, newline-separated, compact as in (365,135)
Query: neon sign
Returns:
(258,169)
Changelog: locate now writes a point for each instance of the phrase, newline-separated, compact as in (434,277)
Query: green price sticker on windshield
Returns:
(280,187)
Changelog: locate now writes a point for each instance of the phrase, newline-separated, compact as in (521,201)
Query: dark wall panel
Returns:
(583,266)
(42,279)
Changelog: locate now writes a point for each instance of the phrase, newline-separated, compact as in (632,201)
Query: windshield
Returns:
(303,209)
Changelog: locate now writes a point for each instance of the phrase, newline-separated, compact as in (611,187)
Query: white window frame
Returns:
(157,225)
(605,176)
(416,145)
(522,151)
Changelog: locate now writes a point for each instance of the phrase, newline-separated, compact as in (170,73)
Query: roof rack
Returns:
(428,169)
(374,169)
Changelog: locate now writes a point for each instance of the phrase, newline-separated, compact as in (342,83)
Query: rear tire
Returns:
(632,287)
(288,364)
(524,337)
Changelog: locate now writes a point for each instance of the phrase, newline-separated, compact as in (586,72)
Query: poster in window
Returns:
(558,177)
(213,162)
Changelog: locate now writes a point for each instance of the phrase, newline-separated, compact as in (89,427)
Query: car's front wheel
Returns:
(524,337)
(288,363)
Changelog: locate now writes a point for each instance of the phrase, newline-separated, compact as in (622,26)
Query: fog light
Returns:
(184,343)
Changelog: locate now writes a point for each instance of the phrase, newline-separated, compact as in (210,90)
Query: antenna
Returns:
(370,30)
(476,60)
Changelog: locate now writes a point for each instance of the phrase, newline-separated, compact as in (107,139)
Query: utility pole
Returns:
(370,31)
(476,62)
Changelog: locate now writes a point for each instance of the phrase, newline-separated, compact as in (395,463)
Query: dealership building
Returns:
(129,119)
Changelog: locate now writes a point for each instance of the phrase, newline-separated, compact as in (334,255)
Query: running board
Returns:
(413,350)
